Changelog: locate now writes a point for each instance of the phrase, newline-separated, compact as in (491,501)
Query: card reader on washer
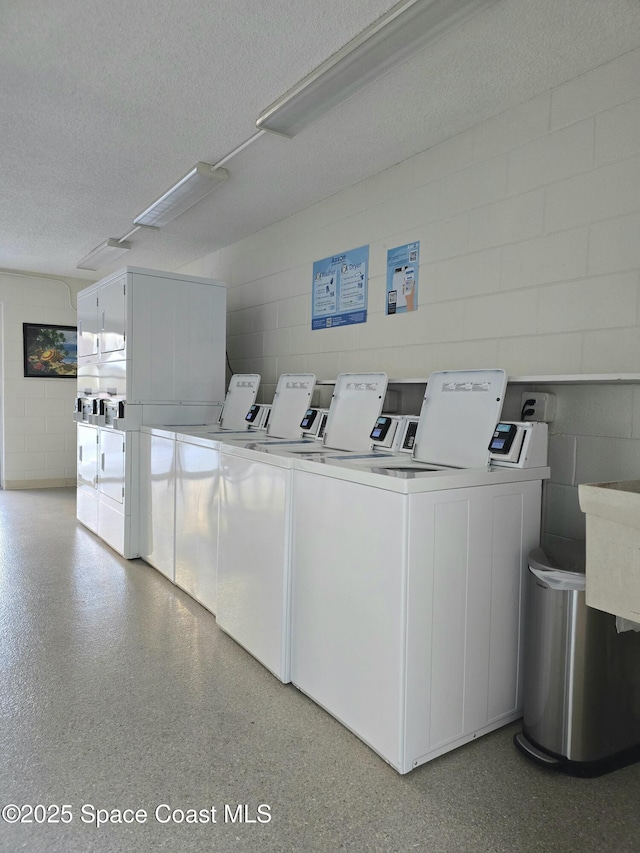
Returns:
(519,444)
(258,416)
(313,423)
(397,432)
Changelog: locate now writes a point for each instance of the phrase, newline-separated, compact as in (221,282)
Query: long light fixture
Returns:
(405,28)
(195,185)
(103,254)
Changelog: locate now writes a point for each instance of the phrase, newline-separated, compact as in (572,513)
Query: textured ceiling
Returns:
(104,104)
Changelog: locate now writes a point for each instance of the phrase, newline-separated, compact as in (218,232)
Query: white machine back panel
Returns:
(290,402)
(176,342)
(243,388)
(459,413)
(355,406)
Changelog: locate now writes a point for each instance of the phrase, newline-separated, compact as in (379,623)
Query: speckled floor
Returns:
(117,691)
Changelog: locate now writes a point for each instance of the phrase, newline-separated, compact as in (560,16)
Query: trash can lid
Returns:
(568,556)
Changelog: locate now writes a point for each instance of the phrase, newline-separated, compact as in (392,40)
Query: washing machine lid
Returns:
(459,414)
(290,402)
(355,406)
(241,395)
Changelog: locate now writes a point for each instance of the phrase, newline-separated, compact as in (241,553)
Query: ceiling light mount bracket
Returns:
(190,189)
(104,254)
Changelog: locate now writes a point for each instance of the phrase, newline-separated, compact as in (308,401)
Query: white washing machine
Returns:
(408,580)
(178,493)
(254,509)
(254,537)
(197,503)
(157,498)
(199,496)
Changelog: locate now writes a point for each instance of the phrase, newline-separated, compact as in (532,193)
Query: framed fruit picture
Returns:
(50,352)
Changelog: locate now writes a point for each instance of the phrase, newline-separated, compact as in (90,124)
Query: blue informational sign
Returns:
(402,278)
(339,289)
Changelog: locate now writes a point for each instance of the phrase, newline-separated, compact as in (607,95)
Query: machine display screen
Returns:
(309,418)
(502,439)
(381,429)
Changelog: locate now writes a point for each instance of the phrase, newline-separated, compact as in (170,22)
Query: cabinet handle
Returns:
(102,461)
(102,329)
(80,328)
(80,453)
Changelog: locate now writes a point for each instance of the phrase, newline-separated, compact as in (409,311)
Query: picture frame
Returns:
(50,351)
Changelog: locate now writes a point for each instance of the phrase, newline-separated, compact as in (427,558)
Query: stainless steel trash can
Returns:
(581,677)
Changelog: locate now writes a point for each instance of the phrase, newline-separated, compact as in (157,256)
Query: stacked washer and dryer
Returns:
(151,349)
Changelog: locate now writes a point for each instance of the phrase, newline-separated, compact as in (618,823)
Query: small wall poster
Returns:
(402,278)
(339,289)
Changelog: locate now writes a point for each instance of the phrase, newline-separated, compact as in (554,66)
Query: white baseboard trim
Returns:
(58,483)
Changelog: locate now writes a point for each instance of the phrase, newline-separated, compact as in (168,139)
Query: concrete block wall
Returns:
(39,440)
(594,438)
(529,229)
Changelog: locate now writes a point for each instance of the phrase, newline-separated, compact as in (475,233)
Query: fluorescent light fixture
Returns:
(196,184)
(404,29)
(103,254)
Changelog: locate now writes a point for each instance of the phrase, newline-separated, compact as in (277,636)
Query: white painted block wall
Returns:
(529,226)
(38,447)
(595,438)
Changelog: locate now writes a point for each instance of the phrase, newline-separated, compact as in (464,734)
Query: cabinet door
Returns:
(112,464)
(87,327)
(87,455)
(112,316)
